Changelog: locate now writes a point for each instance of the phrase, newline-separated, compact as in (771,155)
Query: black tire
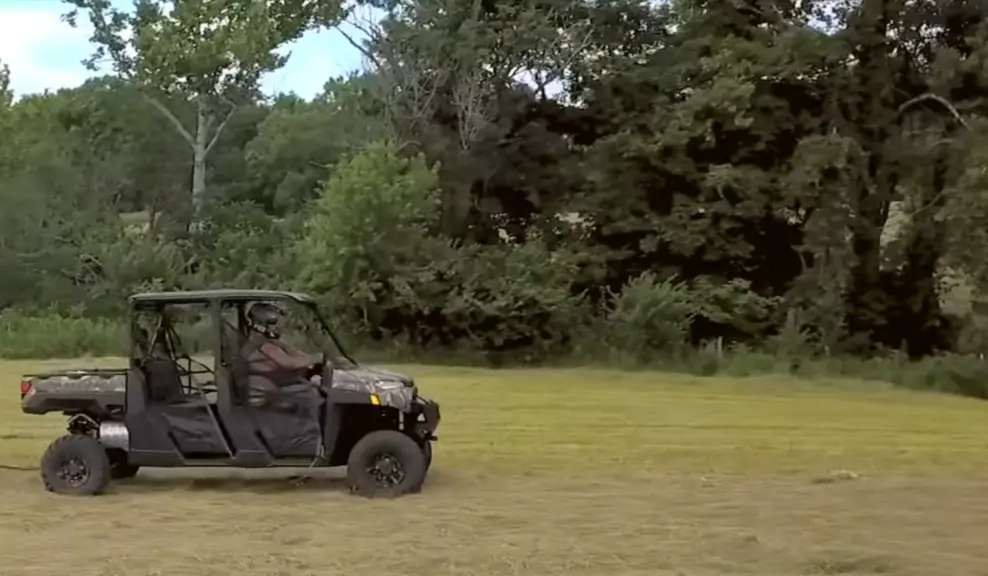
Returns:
(368,466)
(427,452)
(75,465)
(120,469)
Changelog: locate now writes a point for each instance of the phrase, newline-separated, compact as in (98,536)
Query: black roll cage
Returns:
(215,303)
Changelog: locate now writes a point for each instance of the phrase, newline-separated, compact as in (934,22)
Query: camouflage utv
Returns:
(168,409)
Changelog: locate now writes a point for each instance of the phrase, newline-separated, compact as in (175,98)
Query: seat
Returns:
(164,380)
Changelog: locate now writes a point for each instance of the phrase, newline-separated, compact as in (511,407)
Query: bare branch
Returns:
(470,99)
(219,129)
(927,98)
(172,118)
(567,52)
(577,49)
(363,49)
(366,30)
(421,101)
(409,89)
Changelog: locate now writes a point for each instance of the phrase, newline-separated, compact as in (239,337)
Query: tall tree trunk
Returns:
(919,298)
(866,299)
(457,197)
(874,116)
(199,150)
(206,135)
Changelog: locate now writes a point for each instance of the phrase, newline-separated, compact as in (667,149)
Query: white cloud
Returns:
(42,51)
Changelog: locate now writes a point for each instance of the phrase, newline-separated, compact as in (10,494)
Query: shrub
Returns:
(53,336)
(651,320)
(509,298)
(647,318)
(367,246)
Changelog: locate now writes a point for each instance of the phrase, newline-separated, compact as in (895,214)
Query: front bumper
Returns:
(426,417)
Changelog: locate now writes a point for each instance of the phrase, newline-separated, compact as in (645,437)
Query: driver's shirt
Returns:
(272,364)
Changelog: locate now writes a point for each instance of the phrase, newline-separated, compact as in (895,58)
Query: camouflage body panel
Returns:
(393,389)
(81,381)
(97,392)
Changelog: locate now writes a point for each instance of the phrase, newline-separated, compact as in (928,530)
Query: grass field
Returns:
(558,472)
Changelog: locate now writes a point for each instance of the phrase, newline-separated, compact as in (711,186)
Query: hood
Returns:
(368,375)
(392,389)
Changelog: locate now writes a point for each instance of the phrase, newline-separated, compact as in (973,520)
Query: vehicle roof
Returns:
(223,294)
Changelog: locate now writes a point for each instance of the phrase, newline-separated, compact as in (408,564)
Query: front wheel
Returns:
(386,464)
(75,465)
(427,452)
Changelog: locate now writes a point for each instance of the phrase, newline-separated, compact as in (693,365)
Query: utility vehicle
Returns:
(173,408)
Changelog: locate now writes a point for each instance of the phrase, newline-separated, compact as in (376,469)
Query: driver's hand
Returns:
(316,367)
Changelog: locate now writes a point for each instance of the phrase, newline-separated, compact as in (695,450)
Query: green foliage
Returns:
(509,297)
(650,320)
(127,264)
(649,317)
(373,252)
(166,48)
(371,228)
(299,142)
(213,52)
(48,335)
(244,246)
(952,374)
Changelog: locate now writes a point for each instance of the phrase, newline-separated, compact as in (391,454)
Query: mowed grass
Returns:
(549,472)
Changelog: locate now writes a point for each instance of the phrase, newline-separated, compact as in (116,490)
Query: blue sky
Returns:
(45,53)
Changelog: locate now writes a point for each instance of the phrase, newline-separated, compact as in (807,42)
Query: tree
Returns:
(454,75)
(6,99)
(695,134)
(6,95)
(299,143)
(51,172)
(212,52)
(370,243)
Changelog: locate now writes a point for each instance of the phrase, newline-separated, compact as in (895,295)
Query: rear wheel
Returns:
(386,464)
(75,465)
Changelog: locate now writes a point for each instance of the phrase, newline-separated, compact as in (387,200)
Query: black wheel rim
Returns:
(74,472)
(386,470)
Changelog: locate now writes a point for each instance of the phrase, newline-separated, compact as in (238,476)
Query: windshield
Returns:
(304,327)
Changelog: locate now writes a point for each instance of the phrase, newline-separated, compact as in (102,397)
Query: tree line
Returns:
(525,179)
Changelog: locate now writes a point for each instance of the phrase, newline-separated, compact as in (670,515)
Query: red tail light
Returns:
(25,387)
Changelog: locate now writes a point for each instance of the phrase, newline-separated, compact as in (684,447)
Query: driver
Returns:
(271,363)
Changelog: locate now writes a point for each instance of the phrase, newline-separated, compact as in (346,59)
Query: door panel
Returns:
(150,444)
(167,432)
(290,434)
(192,429)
